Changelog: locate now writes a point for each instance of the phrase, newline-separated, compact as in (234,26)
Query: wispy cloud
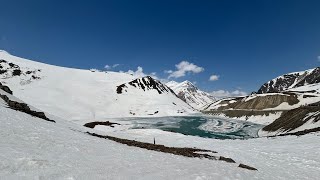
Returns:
(139,73)
(108,67)
(214,77)
(183,68)
(318,58)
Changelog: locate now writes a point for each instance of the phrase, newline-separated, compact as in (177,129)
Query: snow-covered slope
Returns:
(32,148)
(191,94)
(291,80)
(83,95)
(277,110)
(310,88)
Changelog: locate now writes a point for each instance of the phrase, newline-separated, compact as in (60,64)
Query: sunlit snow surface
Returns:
(31,148)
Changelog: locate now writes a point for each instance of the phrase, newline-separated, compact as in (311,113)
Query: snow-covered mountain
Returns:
(284,104)
(35,148)
(191,94)
(83,95)
(291,80)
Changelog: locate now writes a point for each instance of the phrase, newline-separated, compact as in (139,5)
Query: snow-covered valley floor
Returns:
(35,149)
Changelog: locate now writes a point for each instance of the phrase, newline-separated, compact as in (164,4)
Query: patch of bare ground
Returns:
(294,118)
(22,107)
(181,151)
(260,102)
(236,113)
(95,123)
(247,167)
(300,133)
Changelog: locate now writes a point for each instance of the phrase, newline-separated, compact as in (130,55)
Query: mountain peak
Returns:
(291,80)
(189,93)
(187,84)
(145,83)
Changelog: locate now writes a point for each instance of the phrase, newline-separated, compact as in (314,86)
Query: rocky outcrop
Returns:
(241,114)
(145,83)
(259,102)
(294,118)
(180,151)
(23,107)
(11,70)
(5,88)
(96,123)
(291,80)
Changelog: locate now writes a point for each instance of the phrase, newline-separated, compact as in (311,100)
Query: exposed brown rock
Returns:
(106,123)
(229,160)
(294,118)
(247,167)
(5,88)
(261,102)
(181,151)
(24,108)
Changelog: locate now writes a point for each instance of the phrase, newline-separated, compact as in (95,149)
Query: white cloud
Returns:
(115,65)
(223,94)
(168,71)
(318,58)
(214,77)
(139,73)
(108,67)
(182,68)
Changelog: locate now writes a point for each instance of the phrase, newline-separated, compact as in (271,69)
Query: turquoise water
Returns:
(203,126)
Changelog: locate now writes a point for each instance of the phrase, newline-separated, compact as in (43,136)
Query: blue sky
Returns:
(244,43)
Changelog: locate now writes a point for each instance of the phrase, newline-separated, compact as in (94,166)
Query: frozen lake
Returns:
(203,126)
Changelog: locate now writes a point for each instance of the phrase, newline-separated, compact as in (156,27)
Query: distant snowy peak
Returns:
(291,80)
(191,94)
(145,83)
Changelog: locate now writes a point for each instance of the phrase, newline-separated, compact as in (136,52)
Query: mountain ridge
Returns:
(291,80)
(189,93)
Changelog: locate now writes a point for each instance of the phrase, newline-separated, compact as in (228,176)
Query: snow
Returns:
(309,124)
(276,158)
(194,97)
(35,149)
(309,87)
(82,96)
(253,96)
(302,101)
(258,119)
(32,148)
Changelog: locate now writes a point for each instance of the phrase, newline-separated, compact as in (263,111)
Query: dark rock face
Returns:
(106,123)
(292,80)
(229,160)
(247,167)
(313,77)
(24,108)
(145,83)
(16,72)
(9,70)
(260,102)
(295,118)
(5,88)
(119,88)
